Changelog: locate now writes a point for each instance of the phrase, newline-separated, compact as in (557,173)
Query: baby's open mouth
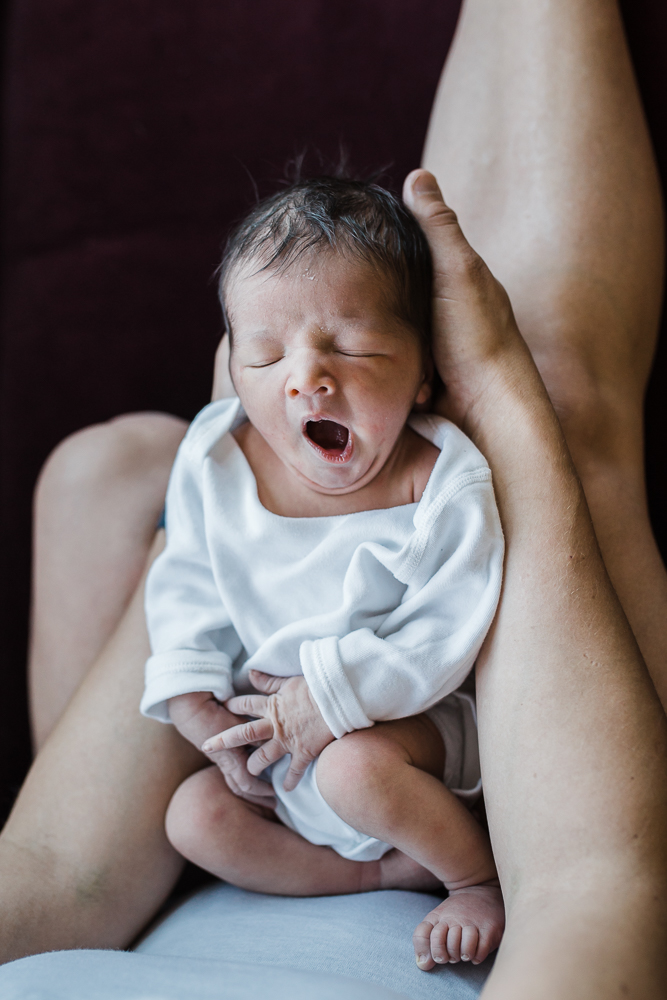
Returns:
(331,439)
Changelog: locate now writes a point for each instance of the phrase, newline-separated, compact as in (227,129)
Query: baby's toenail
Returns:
(465,958)
(422,960)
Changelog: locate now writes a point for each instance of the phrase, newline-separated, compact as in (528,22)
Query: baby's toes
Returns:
(421,941)
(469,943)
(454,943)
(439,937)
(489,938)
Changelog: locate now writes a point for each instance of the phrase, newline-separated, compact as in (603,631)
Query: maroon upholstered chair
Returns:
(134,135)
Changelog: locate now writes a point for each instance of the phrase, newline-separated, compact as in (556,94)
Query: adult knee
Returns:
(92,460)
(599,400)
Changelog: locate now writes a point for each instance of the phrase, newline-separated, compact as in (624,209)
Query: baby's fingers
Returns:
(239,736)
(421,941)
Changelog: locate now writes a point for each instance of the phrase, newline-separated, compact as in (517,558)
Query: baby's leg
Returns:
(246,845)
(385,782)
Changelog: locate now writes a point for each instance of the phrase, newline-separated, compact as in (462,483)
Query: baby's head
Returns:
(326,292)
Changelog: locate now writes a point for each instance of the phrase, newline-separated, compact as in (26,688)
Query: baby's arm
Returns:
(424,648)
(192,638)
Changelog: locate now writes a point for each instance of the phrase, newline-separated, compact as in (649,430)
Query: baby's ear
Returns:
(223,387)
(423,400)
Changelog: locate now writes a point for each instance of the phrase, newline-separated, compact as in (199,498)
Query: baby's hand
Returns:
(197,716)
(288,719)
(466,927)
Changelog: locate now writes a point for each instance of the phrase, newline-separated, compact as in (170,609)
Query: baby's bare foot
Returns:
(466,927)
(398,871)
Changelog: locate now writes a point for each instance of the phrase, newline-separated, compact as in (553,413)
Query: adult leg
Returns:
(540,145)
(84,860)
(573,738)
(97,503)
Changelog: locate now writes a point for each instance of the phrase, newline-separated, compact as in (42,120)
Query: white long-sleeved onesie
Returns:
(382,611)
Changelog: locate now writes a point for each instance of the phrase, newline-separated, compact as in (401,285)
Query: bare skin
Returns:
(573,741)
(555,185)
(97,503)
(594,847)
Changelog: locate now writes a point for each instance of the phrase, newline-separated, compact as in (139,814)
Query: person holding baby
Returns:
(539,143)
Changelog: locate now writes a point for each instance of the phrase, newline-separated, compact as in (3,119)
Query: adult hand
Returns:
(287,718)
(199,715)
(475,336)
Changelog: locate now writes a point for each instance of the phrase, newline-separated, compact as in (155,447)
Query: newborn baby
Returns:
(337,551)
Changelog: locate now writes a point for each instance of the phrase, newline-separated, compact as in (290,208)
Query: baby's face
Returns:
(325,371)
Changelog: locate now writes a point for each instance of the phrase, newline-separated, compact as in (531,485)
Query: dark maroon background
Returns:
(131,133)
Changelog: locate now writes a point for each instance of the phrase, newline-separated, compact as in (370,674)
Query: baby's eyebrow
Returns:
(254,335)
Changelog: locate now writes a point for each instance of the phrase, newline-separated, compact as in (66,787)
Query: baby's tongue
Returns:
(327,434)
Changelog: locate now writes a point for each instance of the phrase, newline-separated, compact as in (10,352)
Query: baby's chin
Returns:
(333,480)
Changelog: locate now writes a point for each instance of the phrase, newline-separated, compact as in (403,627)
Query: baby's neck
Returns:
(401,480)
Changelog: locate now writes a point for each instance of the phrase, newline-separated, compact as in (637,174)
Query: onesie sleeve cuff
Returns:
(184,671)
(328,683)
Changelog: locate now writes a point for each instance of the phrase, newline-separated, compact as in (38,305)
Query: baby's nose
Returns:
(309,377)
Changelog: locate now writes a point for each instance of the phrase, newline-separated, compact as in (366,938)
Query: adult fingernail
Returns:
(425,183)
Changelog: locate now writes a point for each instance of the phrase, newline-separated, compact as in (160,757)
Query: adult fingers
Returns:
(266,682)
(450,250)
(239,736)
(247,704)
(295,772)
(473,321)
(267,754)
(259,792)
(234,767)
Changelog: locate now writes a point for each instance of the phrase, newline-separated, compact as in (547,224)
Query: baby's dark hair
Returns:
(357,218)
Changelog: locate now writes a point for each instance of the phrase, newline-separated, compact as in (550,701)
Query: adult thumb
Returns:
(449,247)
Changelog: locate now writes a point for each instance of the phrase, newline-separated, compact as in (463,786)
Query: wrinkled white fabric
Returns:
(383,611)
